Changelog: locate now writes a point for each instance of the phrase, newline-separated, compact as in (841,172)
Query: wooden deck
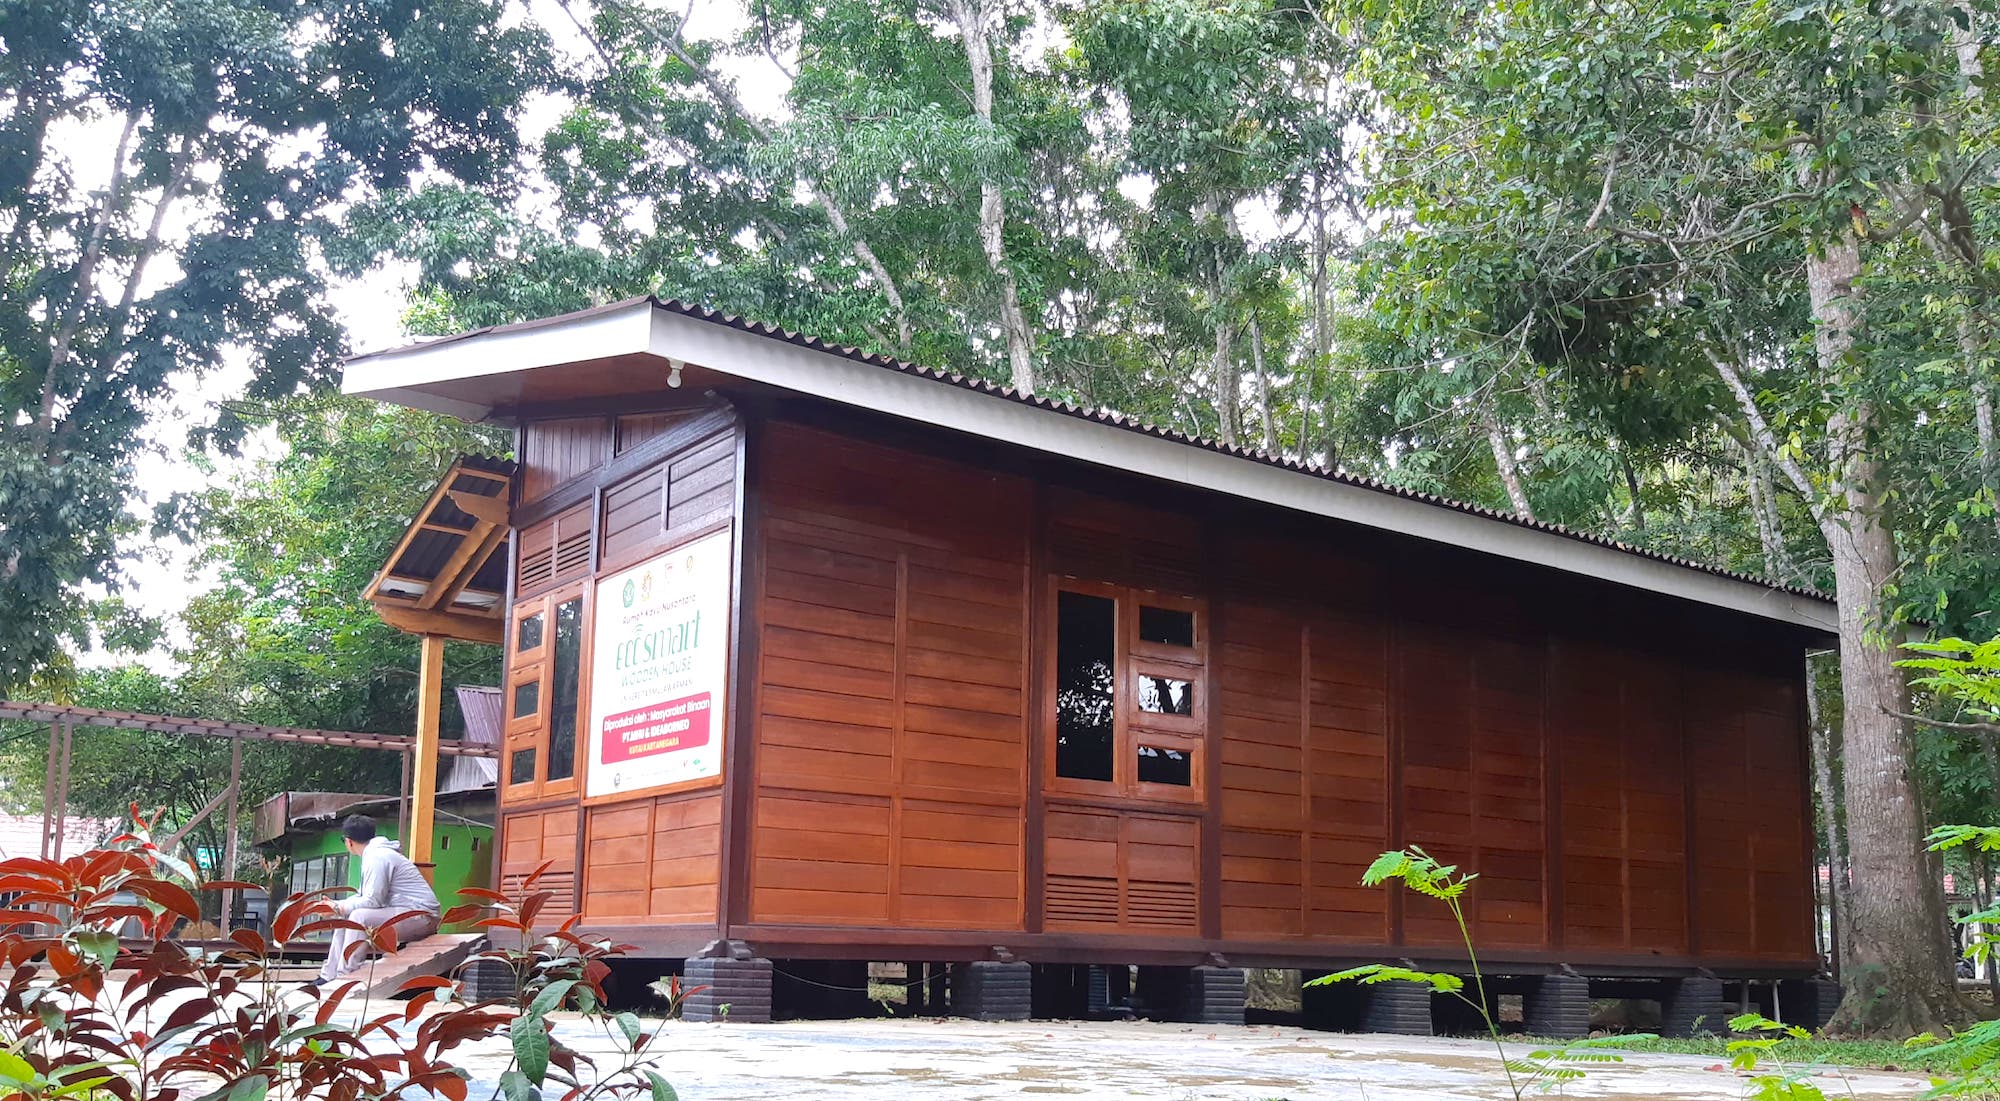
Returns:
(435,955)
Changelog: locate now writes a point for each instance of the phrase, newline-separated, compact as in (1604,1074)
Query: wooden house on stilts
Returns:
(821,658)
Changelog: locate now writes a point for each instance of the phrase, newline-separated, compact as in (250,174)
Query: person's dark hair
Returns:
(358,828)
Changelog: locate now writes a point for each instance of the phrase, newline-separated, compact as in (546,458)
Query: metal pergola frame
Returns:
(63,721)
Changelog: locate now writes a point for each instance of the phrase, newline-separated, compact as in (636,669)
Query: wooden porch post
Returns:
(423,802)
(229,830)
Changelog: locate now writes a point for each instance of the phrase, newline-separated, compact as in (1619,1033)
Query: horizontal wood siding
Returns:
(1753,894)
(534,838)
(1515,724)
(890,747)
(654,860)
(656,508)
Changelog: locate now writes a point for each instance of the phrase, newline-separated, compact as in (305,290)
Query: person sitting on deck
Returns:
(390,885)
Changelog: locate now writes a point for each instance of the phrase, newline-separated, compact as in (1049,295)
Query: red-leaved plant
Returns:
(86,1012)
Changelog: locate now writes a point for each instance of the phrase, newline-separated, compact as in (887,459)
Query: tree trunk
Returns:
(1503,459)
(1263,385)
(1228,380)
(70,319)
(1896,983)
(971,17)
(1832,837)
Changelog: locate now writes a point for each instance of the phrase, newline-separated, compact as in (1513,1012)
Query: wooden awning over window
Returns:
(448,574)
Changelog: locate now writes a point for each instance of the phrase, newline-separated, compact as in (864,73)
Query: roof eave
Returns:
(642,327)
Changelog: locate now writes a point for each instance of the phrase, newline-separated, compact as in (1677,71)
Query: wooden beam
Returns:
(62,789)
(463,566)
(57,715)
(423,802)
(229,825)
(492,510)
(427,622)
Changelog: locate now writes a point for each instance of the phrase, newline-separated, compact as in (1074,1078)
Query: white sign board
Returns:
(659,670)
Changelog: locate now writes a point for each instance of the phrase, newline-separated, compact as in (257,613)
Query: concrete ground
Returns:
(962,1060)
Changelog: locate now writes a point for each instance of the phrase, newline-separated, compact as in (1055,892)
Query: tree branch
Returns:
(1760,430)
(1941,724)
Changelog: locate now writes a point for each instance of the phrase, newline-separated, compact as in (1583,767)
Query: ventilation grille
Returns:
(573,554)
(1161,905)
(561,885)
(569,557)
(536,568)
(1084,899)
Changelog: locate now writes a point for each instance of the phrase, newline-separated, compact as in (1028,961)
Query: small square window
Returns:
(1165,695)
(1158,765)
(528,634)
(527,699)
(521,767)
(1166,626)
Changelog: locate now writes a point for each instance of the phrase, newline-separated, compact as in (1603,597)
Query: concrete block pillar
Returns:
(1557,1006)
(1693,1006)
(1403,1008)
(1215,996)
(991,991)
(726,989)
(1808,1003)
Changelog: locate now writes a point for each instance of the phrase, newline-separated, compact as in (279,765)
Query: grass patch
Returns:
(1864,1054)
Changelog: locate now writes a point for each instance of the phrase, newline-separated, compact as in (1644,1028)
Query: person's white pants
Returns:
(345,941)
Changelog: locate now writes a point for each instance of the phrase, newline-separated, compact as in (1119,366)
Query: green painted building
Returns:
(302,828)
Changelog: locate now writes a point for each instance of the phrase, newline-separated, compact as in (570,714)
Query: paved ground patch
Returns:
(959,1060)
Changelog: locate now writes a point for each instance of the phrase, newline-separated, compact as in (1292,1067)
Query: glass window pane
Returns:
(521,767)
(1167,626)
(1086,630)
(527,698)
(1166,766)
(528,634)
(1165,695)
(563,692)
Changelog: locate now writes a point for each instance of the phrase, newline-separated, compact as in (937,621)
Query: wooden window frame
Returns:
(537,664)
(1130,724)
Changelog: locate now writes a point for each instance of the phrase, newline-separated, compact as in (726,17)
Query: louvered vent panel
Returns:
(536,568)
(561,885)
(573,554)
(1162,905)
(1085,899)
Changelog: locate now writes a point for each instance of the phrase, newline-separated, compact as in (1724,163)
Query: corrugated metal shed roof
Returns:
(1104,417)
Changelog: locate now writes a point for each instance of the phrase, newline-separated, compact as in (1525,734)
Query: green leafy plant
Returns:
(1543,1070)
(1760,1052)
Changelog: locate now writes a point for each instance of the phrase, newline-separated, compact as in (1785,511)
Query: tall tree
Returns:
(168,174)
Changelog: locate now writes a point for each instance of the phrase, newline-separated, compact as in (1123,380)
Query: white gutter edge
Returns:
(642,328)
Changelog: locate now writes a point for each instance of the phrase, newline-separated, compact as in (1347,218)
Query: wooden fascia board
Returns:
(424,621)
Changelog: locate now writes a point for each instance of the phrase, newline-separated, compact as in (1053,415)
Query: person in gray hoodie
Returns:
(390,885)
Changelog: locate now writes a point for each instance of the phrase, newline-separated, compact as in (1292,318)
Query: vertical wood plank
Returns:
(745,674)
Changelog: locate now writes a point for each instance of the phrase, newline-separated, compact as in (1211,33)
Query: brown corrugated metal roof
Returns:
(1098,416)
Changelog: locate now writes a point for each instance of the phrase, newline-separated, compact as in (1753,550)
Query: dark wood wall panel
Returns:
(1753,893)
(1120,870)
(1304,679)
(685,493)
(1617,714)
(892,689)
(554,451)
